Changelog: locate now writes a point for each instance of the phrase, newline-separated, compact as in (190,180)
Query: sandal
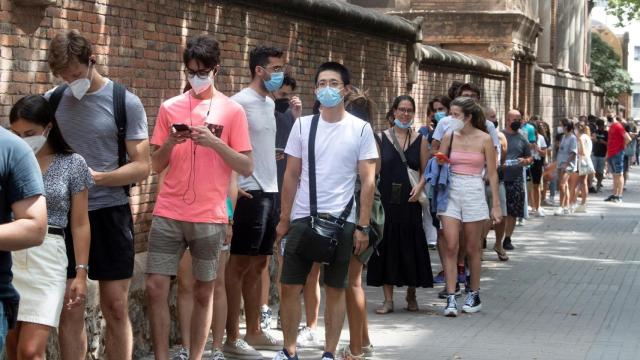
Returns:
(412,303)
(387,307)
(347,355)
(502,255)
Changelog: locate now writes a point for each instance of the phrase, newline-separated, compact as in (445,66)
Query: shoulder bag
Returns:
(414,176)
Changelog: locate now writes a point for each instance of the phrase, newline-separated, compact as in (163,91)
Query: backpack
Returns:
(119,113)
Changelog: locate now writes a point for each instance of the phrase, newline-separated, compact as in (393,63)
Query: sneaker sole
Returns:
(231,355)
(471,310)
(450,313)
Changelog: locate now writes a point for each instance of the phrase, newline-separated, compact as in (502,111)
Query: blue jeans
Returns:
(3,327)
(616,163)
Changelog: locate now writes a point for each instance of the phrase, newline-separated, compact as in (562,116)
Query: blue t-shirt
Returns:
(20,178)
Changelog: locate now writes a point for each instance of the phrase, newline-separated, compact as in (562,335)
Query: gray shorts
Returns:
(169,238)
(502,195)
(599,163)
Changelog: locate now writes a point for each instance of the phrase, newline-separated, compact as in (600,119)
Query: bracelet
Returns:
(84,267)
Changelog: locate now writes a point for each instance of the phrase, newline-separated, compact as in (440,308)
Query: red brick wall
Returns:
(139,43)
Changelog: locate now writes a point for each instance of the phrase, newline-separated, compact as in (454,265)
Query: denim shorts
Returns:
(616,163)
(4,328)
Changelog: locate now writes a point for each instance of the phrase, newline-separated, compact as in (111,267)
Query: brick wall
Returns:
(139,43)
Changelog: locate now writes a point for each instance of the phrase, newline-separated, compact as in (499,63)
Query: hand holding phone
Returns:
(178,127)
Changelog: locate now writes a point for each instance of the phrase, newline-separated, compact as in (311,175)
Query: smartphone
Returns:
(181,127)
(216,129)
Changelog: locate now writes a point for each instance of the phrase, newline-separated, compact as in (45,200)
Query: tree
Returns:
(625,11)
(607,71)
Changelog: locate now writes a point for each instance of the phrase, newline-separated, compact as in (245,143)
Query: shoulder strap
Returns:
(397,146)
(120,115)
(313,199)
(450,144)
(56,96)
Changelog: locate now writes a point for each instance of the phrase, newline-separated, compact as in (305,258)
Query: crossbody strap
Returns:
(396,144)
(313,197)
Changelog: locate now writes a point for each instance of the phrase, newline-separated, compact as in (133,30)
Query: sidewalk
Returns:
(569,291)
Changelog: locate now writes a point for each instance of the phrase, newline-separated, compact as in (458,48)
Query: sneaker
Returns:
(439,279)
(592,190)
(345,352)
(279,321)
(266,341)
(617,199)
(559,211)
(541,212)
(284,355)
(239,349)
(610,198)
(217,354)
(506,244)
(265,318)
(472,303)
(327,356)
(451,310)
(582,208)
(547,202)
(443,294)
(308,338)
(182,354)
(520,222)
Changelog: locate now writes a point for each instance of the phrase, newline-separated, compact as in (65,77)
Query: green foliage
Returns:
(606,70)
(625,11)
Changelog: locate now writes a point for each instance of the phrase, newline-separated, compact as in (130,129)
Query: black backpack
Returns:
(119,112)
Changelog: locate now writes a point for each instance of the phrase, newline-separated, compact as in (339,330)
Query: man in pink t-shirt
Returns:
(199,138)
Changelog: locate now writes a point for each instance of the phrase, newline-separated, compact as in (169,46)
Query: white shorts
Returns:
(40,277)
(467,201)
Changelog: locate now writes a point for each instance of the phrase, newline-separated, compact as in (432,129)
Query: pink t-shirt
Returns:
(195,186)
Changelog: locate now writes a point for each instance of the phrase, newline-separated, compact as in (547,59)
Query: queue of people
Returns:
(246,178)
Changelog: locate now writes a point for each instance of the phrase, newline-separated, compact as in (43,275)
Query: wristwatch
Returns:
(84,267)
(363,229)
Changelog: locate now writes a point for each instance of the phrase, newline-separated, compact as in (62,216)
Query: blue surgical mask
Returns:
(275,82)
(329,97)
(399,124)
(440,115)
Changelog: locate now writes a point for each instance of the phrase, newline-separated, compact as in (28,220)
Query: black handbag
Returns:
(321,235)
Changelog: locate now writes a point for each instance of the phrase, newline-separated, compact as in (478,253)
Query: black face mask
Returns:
(515,126)
(282,105)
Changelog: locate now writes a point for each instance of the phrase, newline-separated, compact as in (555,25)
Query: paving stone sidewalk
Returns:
(569,291)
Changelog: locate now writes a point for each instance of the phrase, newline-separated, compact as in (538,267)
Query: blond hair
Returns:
(67,48)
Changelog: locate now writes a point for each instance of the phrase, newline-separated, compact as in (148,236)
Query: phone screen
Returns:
(180,127)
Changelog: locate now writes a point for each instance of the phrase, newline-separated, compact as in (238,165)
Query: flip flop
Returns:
(502,255)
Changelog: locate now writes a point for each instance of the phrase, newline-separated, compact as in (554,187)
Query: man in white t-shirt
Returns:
(255,218)
(344,147)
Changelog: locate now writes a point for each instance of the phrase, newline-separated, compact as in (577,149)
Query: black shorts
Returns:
(536,171)
(111,253)
(254,224)
(515,198)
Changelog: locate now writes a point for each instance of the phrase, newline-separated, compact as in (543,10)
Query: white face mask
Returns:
(36,142)
(80,87)
(456,124)
(560,130)
(199,85)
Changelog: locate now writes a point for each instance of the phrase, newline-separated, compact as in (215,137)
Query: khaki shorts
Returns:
(169,238)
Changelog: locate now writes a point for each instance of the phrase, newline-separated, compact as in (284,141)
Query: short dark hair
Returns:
(260,55)
(452,92)
(444,100)
(470,87)
(568,124)
(599,123)
(36,110)
(337,67)
(204,49)
(288,80)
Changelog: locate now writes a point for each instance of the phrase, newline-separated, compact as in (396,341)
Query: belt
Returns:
(55,231)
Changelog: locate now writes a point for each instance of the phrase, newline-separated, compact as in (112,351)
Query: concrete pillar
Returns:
(544,39)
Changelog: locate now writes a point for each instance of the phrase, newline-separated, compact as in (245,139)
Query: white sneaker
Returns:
(559,211)
(451,310)
(265,341)
(541,212)
(239,349)
(520,222)
(582,208)
(308,338)
(216,354)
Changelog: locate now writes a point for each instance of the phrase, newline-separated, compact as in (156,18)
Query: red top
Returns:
(615,142)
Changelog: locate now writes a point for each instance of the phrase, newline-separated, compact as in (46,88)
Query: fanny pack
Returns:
(320,237)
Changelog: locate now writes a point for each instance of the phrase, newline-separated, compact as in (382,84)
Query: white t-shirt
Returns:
(542,144)
(588,145)
(338,148)
(445,123)
(260,112)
